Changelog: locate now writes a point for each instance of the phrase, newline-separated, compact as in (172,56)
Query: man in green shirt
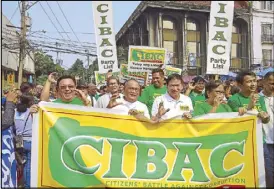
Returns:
(247,99)
(66,89)
(156,89)
(195,90)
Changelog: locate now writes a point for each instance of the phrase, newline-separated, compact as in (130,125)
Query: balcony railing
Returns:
(267,39)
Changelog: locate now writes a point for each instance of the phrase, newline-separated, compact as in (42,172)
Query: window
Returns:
(236,47)
(266,29)
(193,42)
(267,5)
(267,57)
(170,38)
(267,54)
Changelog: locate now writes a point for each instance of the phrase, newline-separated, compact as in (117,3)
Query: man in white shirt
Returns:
(112,87)
(129,103)
(173,103)
(268,93)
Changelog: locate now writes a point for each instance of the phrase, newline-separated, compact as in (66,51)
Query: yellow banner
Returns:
(77,147)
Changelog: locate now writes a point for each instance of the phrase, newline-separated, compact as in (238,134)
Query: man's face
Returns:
(113,86)
(269,84)
(66,89)
(200,85)
(232,83)
(174,88)
(157,80)
(92,90)
(249,84)
(121,88)
(132,91)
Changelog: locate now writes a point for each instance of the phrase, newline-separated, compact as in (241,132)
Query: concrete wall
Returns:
(259,17)
(10,57)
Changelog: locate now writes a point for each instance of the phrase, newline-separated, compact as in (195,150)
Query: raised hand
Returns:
(191,86)
(112,103)
(253,100)
(217,101)
(161,110)
(51,77)
(12,96)
(80,94)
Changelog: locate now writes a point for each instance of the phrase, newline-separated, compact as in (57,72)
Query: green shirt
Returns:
(204,108)
(149,94)
(76,101)
(238,100)
(197,98)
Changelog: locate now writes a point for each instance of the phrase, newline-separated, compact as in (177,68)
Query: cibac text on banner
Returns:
(76,146)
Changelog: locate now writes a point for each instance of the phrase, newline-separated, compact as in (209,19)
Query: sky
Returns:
(79,15)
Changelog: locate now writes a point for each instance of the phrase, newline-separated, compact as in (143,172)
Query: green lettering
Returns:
(105,42)
(221,22)
(222,8)
(215,49)
(116,161)
(103,19)
(105,31)
(73,144)
(143,160)
(218,155)
(99,8)
(188,150)
(104,53)
(219,36)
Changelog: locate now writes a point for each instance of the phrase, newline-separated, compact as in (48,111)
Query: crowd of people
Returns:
(165,98)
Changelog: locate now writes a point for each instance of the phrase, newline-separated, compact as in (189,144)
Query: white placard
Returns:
(220,33)
(105,36)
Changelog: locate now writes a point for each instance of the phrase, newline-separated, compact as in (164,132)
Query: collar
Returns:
(197,94)
(261,93)
(170,99)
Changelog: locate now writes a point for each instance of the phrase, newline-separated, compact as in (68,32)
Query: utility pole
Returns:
(88,78)
(22,42)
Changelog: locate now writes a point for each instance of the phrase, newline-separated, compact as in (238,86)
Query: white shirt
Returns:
(103,101)
(268,128)
(126,106)
(177,107)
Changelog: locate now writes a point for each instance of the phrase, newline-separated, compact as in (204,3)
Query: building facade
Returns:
(10,56)
(263,33)
(182,28)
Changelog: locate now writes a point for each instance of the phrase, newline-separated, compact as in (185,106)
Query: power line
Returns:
(14,12)
(57,19)
(50,20)
(67,21)
(42,36)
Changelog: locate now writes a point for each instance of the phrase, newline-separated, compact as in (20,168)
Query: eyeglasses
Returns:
(112,84)
(219,92)
(70,87)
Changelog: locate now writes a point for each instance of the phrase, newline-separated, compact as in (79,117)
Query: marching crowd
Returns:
(165,98)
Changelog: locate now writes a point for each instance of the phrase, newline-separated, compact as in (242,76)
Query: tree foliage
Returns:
(44,65)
